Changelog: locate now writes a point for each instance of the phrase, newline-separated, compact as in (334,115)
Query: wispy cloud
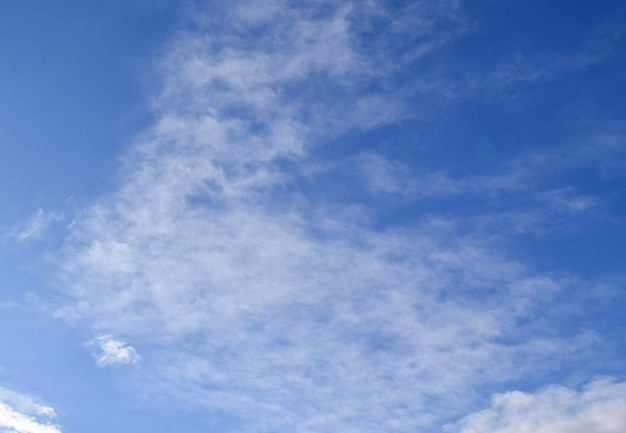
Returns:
(22,414)
(9,304)
(533,192)
(35,227)
(260,301)
(513,71)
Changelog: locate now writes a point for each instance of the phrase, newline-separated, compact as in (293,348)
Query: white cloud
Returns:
(600,407)
(262,302)
(22,414)
(112,352)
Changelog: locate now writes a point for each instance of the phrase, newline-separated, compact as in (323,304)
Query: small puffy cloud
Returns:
(22,414)
(112,352)
(600,407)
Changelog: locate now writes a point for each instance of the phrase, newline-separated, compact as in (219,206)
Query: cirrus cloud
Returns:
(258,299)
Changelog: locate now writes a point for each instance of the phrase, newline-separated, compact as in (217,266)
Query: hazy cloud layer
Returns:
(251,298)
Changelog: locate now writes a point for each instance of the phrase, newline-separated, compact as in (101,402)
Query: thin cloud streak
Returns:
(33,228)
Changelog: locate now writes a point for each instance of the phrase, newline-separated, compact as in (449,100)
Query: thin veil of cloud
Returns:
(33,228)
(255,300)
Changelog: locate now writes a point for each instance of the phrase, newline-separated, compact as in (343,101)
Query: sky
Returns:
(298,216)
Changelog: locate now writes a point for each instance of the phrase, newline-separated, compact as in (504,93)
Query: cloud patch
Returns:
(600,407)
(111,352)
(22,414)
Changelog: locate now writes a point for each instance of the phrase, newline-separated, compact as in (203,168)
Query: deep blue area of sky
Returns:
(72,94)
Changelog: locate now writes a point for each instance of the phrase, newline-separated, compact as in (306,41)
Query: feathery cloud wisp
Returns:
(35,227)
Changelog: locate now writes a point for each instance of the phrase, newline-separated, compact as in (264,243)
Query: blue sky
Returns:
(312,216)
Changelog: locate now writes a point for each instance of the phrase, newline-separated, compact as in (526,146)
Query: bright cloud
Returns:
(600,407)
(21,414)
(111,352)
